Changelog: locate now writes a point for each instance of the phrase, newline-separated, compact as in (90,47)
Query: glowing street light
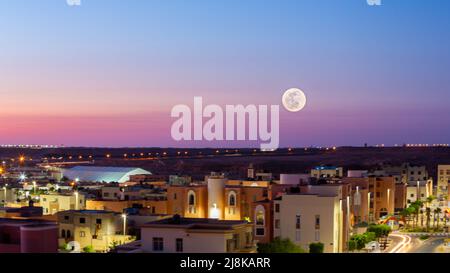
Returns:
(368,207)
(22,177)
(76,200)
(124,217)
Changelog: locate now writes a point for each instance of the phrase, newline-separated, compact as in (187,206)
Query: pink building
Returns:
(28,236)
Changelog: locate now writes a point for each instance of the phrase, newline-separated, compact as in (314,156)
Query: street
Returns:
(402,243)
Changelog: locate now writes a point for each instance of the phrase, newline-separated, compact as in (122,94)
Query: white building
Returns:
(309,218)
(197,235)
(102,174)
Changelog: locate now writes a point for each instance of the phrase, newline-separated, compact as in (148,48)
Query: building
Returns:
(442,183)
(294,179)
(218,198)
(55,202)
(377,196)
(28,236)
(21,212)
(154,205)
(102,174)
(197,235)
(309,218)
(419,190)
(327,172)
(97,228)
(403,174)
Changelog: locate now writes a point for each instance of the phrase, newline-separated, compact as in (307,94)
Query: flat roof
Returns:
(196,223)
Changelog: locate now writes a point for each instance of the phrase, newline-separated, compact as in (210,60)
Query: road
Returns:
(402,243)
(433,245)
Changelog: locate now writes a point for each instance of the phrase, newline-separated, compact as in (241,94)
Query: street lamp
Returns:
(76,200)
(4,194)
(124,217)
(418,190)
(22,177)
(388,200)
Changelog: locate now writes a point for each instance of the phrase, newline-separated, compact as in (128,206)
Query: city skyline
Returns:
(108,73)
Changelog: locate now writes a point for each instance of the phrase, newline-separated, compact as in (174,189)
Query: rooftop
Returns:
(196,223)
(102,174)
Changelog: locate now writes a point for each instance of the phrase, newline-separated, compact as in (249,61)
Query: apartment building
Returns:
(419,190)
(97,228)
(376,196)
(442,184)
(197,235)
(56,202)
(309,218)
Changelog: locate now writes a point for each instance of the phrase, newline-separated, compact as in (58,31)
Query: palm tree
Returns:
(437,212)
(428,213)
(430,199)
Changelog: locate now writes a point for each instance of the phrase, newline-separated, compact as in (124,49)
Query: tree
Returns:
(379,230)
(437,212)
(428,213)
(316,247)
(359,241)
(88,249)
(279,245)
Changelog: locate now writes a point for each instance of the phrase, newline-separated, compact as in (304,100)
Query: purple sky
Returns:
(108,73)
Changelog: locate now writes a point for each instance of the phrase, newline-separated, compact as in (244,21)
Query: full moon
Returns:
(294,100)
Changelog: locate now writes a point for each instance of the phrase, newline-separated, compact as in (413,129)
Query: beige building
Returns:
(53,203)
(309,218)
(419,190)
(442,183)
(97,228)
(197,235)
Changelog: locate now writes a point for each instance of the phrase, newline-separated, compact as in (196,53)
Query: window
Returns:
(260,215)
(378,194)
(63,233)
(68,234)
(232,199)
(260,232)
(317,222)
(317,235)
(277,223)
(82,234)
(175,196)
(106,194)
(412,195)
(82,220)
(179,244)
(98,221)
(191,198)
(277,207)
(297,222)
(153,210)
(66,217)
(158,244)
